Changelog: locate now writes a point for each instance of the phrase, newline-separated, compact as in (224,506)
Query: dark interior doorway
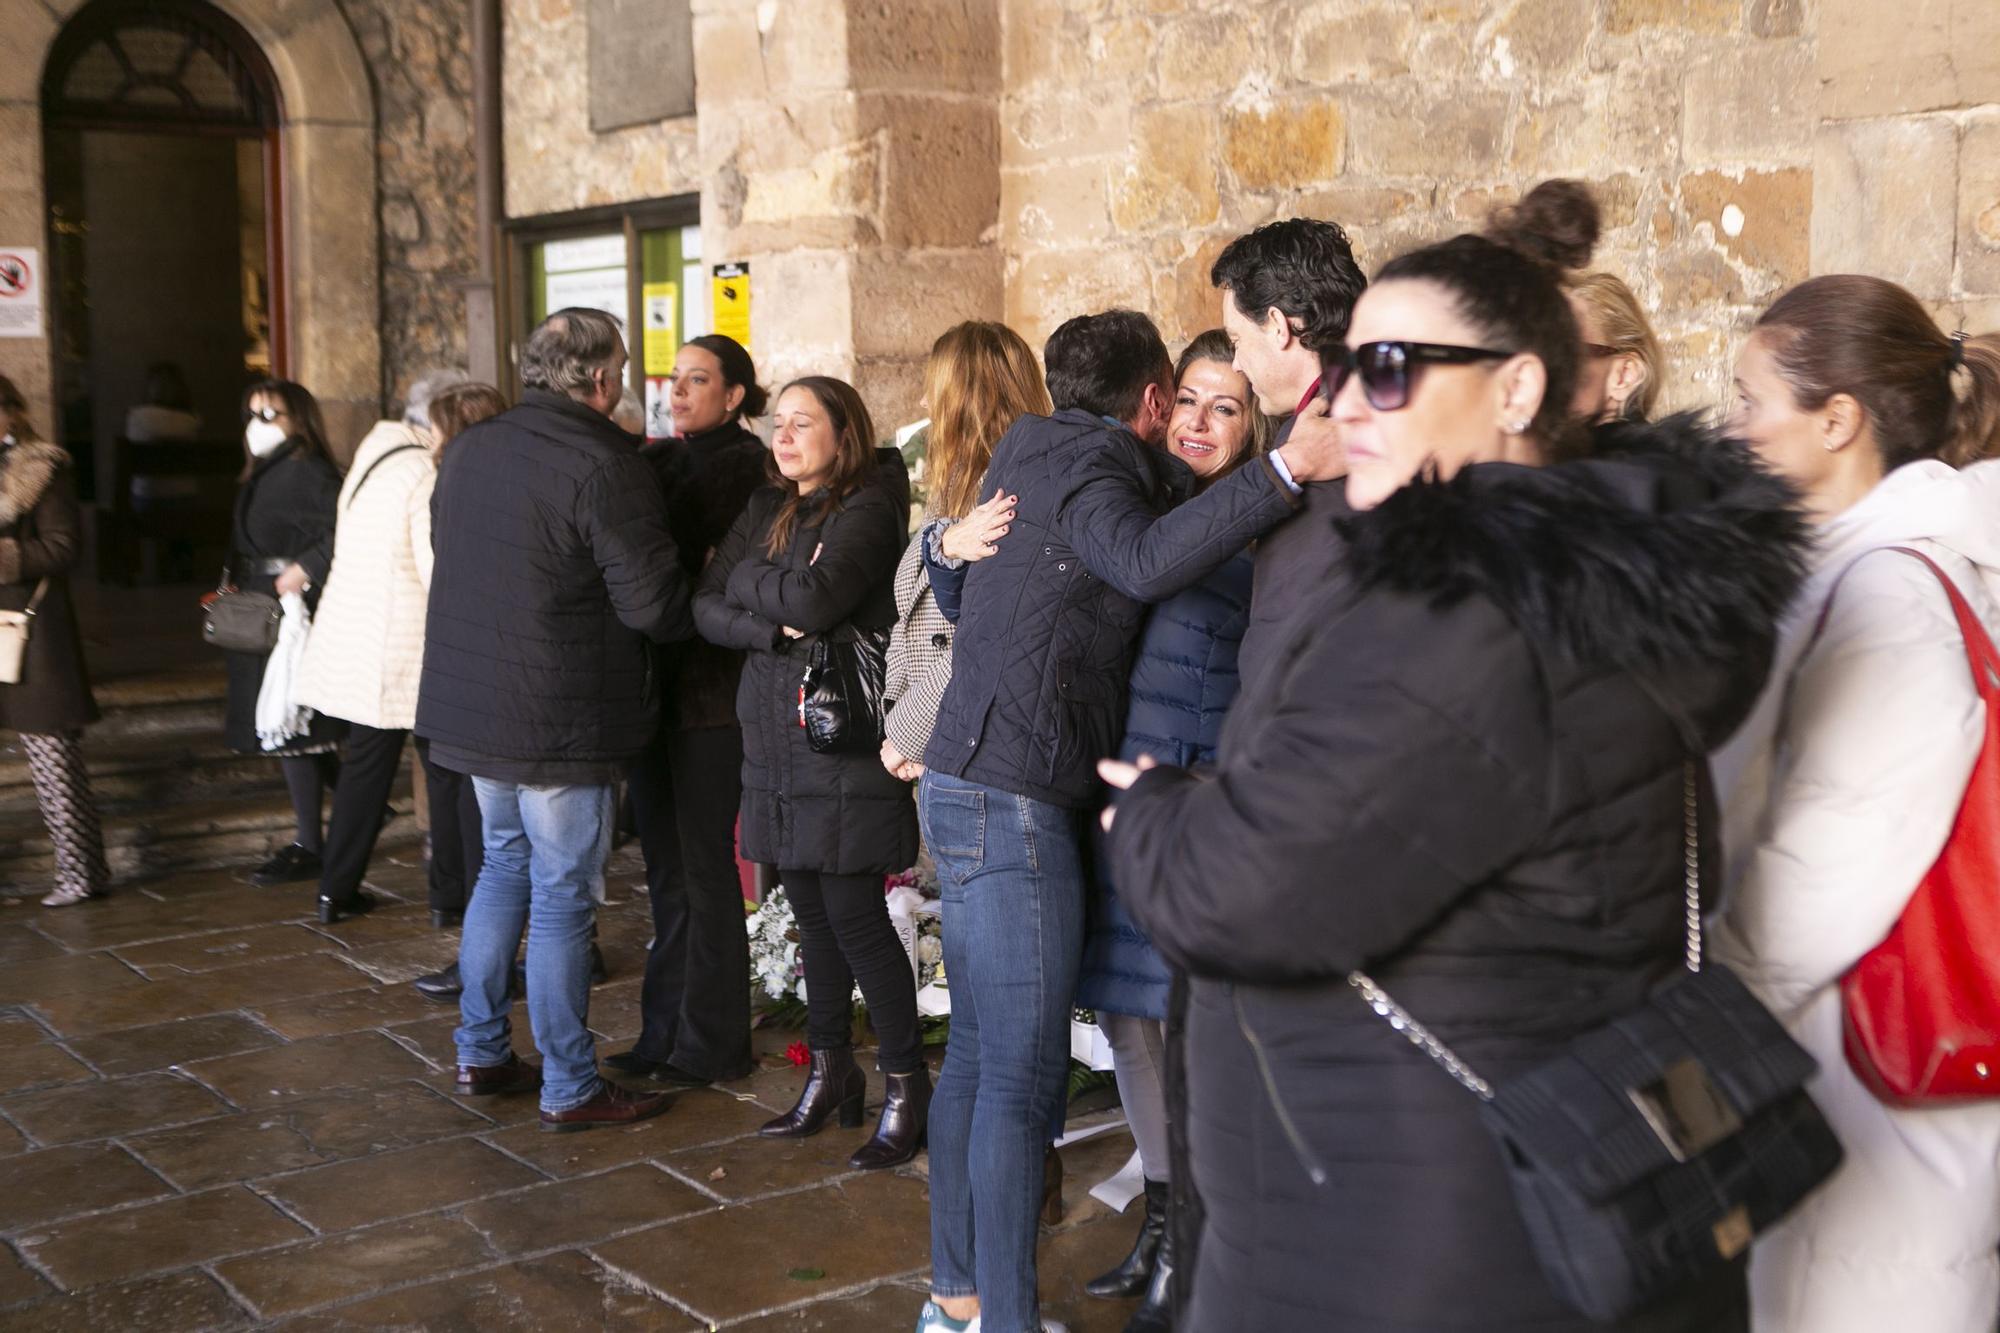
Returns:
(161,121)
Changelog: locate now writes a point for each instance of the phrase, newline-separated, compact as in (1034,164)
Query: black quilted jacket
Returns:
(1047,626)
(554,566)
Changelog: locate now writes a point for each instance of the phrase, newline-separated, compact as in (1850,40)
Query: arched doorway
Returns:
(161,125)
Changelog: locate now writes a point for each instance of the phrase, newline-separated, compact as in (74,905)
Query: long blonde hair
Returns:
(980,378)
(1617,313)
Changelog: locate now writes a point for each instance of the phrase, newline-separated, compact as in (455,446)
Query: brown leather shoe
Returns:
(612,1105)
(517,1075)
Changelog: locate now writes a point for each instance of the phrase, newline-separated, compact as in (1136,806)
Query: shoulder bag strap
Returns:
(35,601)
(1442,1055)
(1980,654)
(356,492)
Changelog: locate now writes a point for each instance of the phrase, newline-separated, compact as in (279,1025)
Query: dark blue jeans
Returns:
(1012,873)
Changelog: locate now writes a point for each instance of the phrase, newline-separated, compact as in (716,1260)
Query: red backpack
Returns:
(1921,1010)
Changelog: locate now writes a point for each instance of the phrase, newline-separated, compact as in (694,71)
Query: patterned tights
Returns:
(62,786)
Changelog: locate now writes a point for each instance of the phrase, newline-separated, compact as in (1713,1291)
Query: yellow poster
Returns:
(662,304)
(730,310)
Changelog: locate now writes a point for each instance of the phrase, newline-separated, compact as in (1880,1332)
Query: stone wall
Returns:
(1138,136)
(554,161)
(419,58)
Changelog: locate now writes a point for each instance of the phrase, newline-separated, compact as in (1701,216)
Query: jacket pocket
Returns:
(1085,721)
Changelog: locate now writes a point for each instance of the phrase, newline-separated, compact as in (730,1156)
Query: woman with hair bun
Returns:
(1843,786)
(1454,782)
(696,1025)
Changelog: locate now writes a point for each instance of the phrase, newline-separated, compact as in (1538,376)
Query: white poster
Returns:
(20,292)
(592,289)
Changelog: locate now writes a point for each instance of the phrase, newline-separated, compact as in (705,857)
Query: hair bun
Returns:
(1555,224)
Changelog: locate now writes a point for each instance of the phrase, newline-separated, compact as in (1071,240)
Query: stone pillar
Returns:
(850,153)
(24,43)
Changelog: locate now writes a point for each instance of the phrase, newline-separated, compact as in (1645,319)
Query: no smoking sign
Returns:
(20,292)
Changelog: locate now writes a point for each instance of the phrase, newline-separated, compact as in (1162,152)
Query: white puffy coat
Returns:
(366,653)
(1838,794)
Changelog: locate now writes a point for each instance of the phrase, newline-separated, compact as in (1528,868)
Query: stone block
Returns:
(1979,208)
(925,45)
(1542,38)
(940,171)
(1042,45)
(894,390)
(641,62)
(1885,202)
(802,320)
(1284,146)
(728,58)
(1339,41)
(1777,18)
(1046,289)
(1207,55)
(1053,206)
(24,45)
(1922,55)
(1063,125)
(1750,102)
(1355,206)
(156,1237)
(1618,200)
(839,182)
(1170,180)
(1700,279)
(1186,301)
(1763,218)
(806,46)
(1447,133)
(905,300)
(1709,16)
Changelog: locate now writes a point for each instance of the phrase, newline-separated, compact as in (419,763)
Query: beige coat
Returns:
(366,653)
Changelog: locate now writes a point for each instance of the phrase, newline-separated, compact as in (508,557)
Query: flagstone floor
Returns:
(216,1114)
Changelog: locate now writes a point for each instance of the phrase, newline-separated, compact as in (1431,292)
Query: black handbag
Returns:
(1646,1155)
(840,702)
(238,621)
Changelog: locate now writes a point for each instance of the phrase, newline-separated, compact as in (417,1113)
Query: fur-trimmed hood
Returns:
(1669,552)
(26,470)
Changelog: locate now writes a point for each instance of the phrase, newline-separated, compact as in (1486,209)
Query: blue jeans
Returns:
(1012,873)
(544,870)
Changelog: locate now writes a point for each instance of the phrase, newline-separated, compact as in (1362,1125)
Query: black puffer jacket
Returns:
(554,566)
(1047,626)
(841,814)
(1458,774)
(707,480)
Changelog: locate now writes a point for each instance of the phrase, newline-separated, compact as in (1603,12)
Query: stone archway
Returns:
(333,275)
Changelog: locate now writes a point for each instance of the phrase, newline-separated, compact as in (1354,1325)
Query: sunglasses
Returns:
(1599,349)
(264,413)
(1388,368)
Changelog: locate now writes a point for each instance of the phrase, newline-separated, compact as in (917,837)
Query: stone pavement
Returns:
(216,1114)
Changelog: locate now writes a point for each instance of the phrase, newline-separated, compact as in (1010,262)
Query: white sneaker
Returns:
(68,897)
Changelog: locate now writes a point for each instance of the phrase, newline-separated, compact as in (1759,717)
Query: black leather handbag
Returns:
(238,621)
(841,699)
(1646,1155)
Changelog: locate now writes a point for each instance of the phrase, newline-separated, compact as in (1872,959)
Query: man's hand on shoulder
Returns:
(1314,451)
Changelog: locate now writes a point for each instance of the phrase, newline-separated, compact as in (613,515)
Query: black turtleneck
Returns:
(707,479)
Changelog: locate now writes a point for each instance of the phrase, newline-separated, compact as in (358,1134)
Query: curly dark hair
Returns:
(1303,267)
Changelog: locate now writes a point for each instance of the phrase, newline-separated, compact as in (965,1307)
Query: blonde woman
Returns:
(1619,376)
(981,377)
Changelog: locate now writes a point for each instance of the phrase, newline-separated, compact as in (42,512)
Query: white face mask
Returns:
(264,437)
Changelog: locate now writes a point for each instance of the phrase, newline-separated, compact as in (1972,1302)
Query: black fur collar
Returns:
(1668,547)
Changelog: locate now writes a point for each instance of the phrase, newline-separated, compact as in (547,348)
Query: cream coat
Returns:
(366,653)
(1839,793)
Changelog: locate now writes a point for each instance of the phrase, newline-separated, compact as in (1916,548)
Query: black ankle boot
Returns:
(906,1109)
(1156,1313)
(836,1084)
(1130,1277)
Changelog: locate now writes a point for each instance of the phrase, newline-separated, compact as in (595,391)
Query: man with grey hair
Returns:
(553,567)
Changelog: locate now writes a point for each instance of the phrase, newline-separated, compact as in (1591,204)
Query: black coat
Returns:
(284,511)
(553,567)
(41,538)
(1047,626)
(840,814)
(707,480)
(1463,774)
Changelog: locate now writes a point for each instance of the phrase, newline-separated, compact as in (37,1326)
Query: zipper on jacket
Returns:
(1300,1148)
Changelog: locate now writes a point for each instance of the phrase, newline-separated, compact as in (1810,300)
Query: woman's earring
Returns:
(1517,428)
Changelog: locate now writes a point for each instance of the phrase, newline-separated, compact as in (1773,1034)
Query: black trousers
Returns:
(696,1000)
(458,847)
(845,936)
(367,775)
